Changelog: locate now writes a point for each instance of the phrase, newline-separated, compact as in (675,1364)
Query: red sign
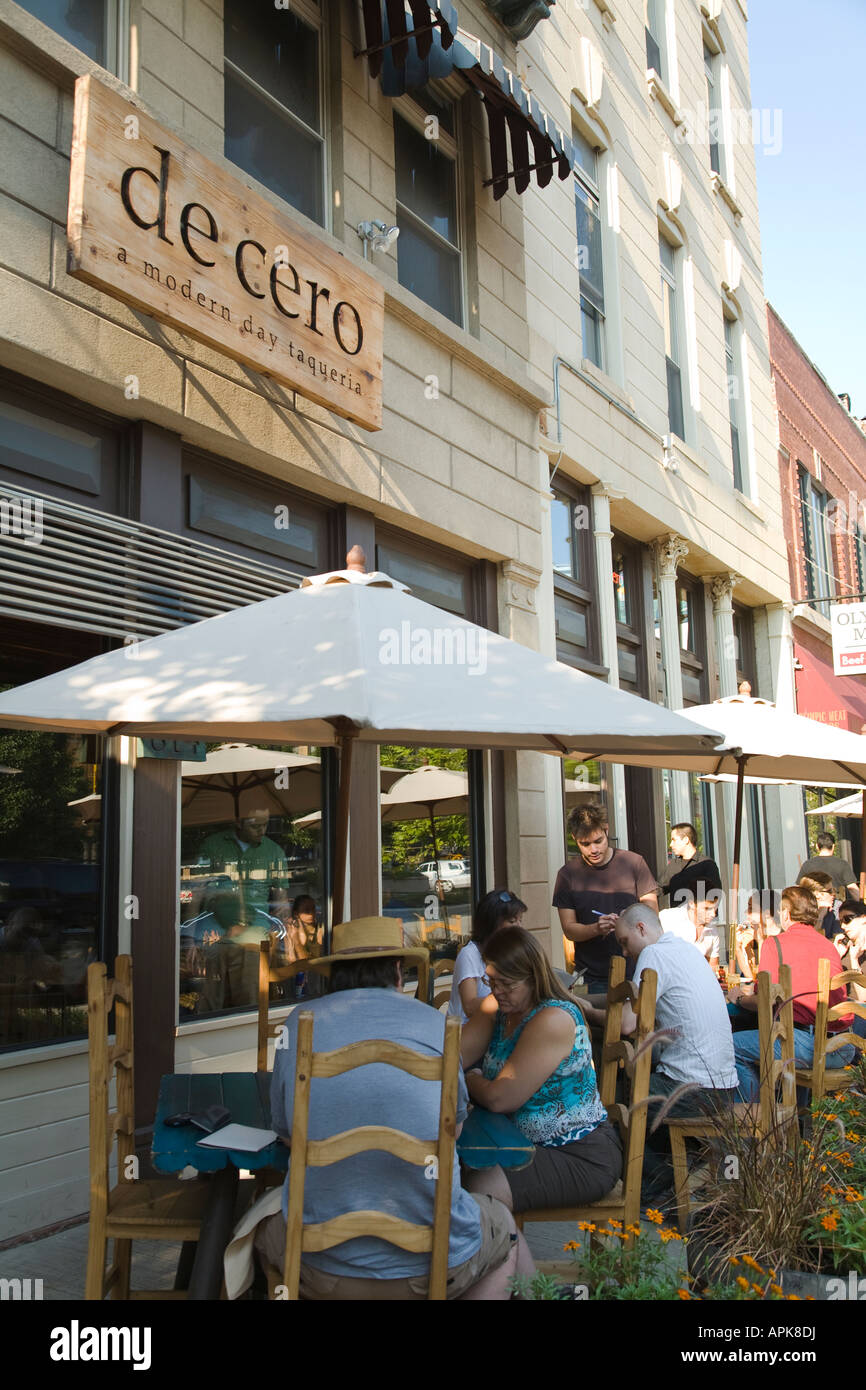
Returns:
(821,695)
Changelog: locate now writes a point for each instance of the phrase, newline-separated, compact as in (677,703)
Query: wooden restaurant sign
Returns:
(156,224)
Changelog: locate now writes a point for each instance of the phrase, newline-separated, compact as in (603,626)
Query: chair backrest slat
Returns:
(326,1234)
(362,1054)
(321,1152)
(640,1080)
(611,1049)
(775,1023)
(107,1061)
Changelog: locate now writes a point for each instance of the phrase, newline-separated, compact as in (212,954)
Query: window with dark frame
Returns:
(574,578)
(589,248)
(428,213)
(693,639)
(735,396)
(670,318)
(90,25)
(654,36)
(274,127)
(817,543)
(714,114)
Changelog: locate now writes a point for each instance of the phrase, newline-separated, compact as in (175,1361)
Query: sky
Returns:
(808,60)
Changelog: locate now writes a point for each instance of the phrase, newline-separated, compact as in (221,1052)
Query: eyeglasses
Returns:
(503,986)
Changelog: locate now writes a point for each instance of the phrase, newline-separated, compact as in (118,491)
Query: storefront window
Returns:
(50,855)
(251,871)
(81,22)
(429,890)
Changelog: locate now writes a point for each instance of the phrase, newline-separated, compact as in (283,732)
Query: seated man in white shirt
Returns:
(691,1005)
(692,921)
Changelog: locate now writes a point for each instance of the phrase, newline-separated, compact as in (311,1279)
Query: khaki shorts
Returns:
(498,1237)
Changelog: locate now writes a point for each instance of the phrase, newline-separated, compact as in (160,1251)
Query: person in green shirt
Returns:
(262,871)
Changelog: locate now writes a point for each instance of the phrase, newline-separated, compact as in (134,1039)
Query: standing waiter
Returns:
(593,889)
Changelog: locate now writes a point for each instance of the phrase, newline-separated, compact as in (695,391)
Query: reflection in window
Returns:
(273,123)
(428,251)
(50,796)
(429,891)
(620,593)
(686,618)
(81,22)
(251,871)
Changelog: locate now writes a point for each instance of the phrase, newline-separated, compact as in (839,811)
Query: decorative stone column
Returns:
(526,773)
(787,826)
(668,551)
(603,537)
(721,591)
(721,588)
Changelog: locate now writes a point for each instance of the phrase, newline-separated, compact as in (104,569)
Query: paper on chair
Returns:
(243,1137)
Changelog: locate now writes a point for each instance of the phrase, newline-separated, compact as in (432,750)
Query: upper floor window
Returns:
(573,577)
(93,26)
(589,252)
(735,400)
(714,112)
(670,318)
(860,556)
(654,13)
(817,543)
(273,100)
(428,250)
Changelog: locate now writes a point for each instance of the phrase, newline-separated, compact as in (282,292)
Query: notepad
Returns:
(243,1137)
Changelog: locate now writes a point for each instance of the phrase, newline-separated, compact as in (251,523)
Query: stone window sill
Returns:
(659,92)
(721,190)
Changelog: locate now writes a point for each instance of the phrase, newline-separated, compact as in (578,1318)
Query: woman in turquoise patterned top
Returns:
(532,1044)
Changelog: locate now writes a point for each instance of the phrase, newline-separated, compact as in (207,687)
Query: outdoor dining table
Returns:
(246,1096)
(488,1139)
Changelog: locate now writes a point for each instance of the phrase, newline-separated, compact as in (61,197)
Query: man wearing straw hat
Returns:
(367,1001)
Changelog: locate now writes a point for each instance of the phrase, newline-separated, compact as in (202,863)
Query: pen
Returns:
(595,912)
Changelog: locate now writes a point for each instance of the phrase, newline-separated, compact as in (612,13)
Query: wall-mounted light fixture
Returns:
(376,236)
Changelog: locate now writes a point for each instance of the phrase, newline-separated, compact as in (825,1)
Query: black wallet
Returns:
(215,1117)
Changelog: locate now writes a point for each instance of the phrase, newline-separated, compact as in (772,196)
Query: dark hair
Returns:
(585,820)
(825,840)
(299,902)
(685,827)
(516,953)
(818,881)
(802,905)
(493,911)
(364,974)
(852,907)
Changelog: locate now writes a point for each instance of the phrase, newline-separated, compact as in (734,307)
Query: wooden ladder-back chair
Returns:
(301,1239)
(817,1078)
(136,1208)
(774,1112)
(441,996)
(623,1202)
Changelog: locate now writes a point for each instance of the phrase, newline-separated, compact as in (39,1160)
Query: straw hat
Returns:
(367,938)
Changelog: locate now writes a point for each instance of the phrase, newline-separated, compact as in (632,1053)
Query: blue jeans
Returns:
(747,1055)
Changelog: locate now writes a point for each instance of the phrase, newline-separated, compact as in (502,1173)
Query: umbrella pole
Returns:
(436,860)
(735,867)
(347,742)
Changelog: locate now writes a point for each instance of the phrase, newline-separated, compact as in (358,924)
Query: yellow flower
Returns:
(683,1294)
(752,1263)
(777,1290)
(853,1138)
(655,1216)
(758,1289)
(586,1225)
(793,1298)
(733,1260)
(830,1222)
(852,1195)
(572,1245)
(743,1283)
(611,1222)
(633,1230)
(830,1115)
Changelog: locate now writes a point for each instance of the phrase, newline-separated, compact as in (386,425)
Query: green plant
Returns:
(539,1288)
(626,1263)
(838,1228)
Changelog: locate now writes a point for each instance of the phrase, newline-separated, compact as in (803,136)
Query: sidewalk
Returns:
(59,1260)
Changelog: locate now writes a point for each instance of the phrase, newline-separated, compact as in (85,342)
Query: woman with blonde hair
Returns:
(529,1056)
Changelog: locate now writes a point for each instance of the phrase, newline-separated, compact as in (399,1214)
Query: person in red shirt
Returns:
(801,947)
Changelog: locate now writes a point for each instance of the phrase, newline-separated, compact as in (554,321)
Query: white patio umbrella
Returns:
(771,743)
(844,806)
(237,780)
(349,656)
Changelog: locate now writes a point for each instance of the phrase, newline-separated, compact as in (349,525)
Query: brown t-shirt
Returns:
(624,879)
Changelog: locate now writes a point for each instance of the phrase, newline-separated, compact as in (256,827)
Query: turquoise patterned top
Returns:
(567,1106)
